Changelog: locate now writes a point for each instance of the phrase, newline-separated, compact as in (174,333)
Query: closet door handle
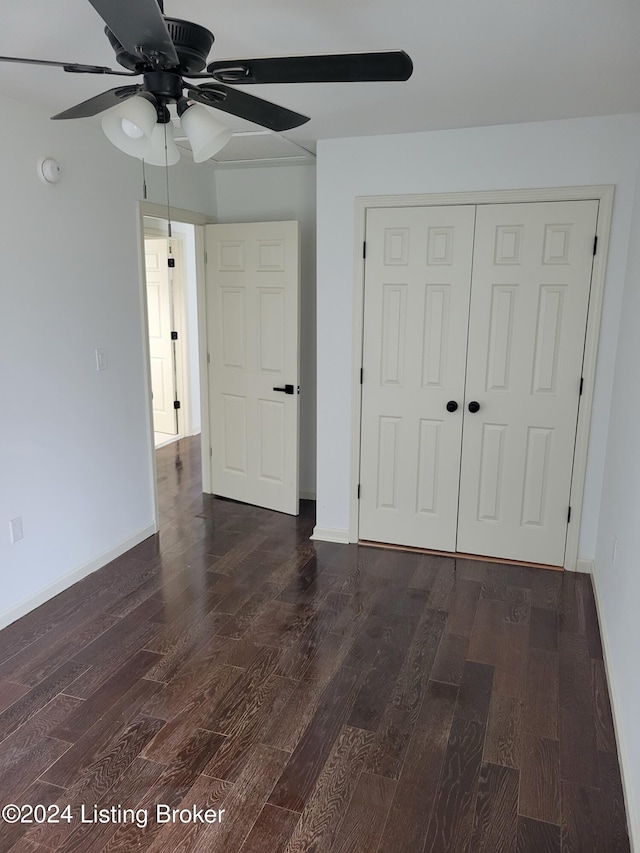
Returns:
(452,406)
(474,407)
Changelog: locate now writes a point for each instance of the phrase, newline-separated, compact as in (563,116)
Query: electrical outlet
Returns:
(614,552)
(15,528)
(101,359)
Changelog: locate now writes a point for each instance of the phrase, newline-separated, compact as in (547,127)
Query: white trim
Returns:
(159,211)
(147,208)
(603,194)
(633,815)
(144,331)
(586,567)
(203,344)
(171,440)
(589,375)
(330,534)
(26,605)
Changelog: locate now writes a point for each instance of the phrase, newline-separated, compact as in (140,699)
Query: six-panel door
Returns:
(529,301)
(252,325)
(496,320)
(416,309)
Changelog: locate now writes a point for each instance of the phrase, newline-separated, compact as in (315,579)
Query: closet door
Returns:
(416,308)
(529,301)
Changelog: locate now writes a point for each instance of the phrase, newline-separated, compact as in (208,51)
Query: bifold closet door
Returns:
(529,300)
(416,310)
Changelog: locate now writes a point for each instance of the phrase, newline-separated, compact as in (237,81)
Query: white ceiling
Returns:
(476,62)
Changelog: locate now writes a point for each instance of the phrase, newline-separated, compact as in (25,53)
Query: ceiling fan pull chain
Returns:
(144,182)
(166,172)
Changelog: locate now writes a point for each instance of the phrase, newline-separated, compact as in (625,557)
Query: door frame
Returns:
(601,193)
(199,220)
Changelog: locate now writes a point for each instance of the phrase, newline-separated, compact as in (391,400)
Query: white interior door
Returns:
(161,350)
(530,297)
(253,345)
(416,309)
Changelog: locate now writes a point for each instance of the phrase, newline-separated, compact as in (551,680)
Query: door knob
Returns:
(288,389)
(474,407)
(452,406)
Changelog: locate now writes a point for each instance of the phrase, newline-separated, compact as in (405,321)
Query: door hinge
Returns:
(176,404)
(581,384)
(210,453)
(595,244)
(358,491)
(361,375)
(206,259)
(569,516)
(174,336)
(364,249)
(171,262)
(208,358)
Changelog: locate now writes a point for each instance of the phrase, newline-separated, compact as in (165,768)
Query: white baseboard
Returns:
(307,496)
(585,566)
(633,818)
(331,534)
(60,584)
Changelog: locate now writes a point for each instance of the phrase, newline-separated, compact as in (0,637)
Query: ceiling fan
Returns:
(169,53)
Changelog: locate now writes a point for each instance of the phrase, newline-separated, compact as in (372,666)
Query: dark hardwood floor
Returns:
(329,698)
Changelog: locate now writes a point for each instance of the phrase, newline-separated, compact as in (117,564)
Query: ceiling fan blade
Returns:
(69,66)
(139,27)
(246,106)
(100,103)
(328,68)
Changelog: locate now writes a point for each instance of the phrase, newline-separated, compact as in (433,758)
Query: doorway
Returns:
(171,293)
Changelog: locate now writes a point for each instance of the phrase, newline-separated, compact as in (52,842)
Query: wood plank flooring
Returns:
(327,698)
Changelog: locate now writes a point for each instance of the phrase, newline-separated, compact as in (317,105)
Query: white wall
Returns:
(272,193)
(546,154)
(74,460)
(618,585)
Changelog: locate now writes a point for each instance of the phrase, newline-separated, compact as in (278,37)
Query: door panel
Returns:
(416,307)
(161,353)
(529,302)
(252,322)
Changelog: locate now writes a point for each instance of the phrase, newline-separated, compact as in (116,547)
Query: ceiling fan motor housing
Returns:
(192,43)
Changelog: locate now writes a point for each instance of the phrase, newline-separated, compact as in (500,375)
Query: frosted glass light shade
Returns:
(205,133)
(156,154)
(130,125)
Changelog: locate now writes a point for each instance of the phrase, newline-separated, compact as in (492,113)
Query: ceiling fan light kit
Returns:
(129,125)
(166,50)
(164,151)
(205,133)
(133,127)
